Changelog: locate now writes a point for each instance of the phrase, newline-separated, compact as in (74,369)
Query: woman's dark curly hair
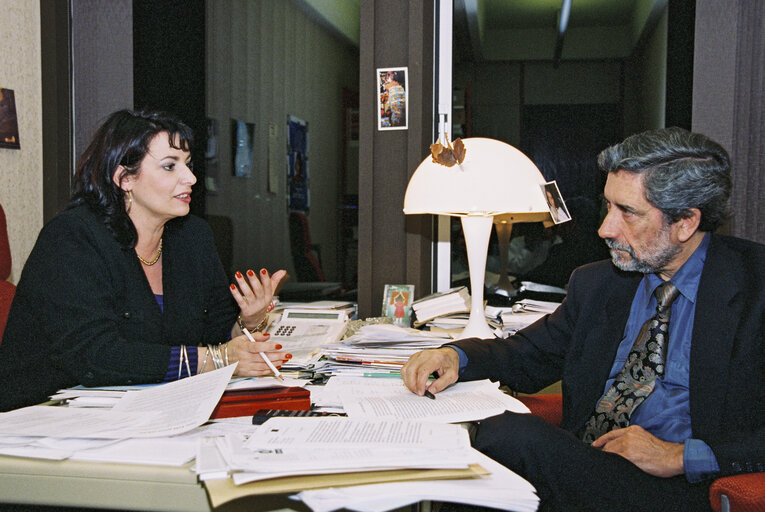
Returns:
(122,140)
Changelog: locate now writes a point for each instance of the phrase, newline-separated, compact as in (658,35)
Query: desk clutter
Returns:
(348,438)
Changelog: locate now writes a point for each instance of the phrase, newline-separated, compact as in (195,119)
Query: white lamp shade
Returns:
(495,178)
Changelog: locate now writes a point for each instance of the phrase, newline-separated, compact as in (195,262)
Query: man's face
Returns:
(634,229)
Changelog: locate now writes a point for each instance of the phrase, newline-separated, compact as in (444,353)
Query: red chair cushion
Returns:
(746,493)
(7,290)
(548,407)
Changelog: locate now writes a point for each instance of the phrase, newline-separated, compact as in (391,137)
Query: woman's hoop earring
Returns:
(130,203)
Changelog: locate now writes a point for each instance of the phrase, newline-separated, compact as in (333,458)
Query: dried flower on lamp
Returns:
(449,155)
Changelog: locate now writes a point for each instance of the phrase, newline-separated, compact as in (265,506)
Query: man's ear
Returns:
(121,179)
(687,226)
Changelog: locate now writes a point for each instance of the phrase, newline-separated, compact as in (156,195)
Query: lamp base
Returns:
(477,231)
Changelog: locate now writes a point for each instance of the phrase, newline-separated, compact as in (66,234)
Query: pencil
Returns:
(265,358)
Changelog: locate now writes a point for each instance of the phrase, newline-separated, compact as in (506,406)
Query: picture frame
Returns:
(9,123)
(397,303)
(392,98)
(558,209)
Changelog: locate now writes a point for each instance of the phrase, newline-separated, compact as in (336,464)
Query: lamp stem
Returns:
(477,231)
(504,230)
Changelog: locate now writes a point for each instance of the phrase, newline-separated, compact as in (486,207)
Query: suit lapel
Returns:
(602,343)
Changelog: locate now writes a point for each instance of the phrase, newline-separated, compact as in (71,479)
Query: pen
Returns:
(430,395)
(264,356)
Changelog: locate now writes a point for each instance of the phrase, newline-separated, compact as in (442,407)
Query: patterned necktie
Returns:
(637,379)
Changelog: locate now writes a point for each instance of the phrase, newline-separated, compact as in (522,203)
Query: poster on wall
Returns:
(242,134)
(299,197)
(211,157)
(392,99)
(9,124)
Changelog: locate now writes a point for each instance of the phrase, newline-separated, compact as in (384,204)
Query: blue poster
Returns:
(297,165)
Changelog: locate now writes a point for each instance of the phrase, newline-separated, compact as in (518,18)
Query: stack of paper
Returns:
(377,347)
(454,300)
(501,489)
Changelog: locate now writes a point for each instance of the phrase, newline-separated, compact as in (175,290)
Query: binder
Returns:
(246,402)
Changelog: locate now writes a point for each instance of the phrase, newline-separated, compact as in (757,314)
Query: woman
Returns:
(124,287)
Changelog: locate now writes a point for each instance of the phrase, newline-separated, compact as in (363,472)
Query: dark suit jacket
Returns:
(577,344)
(84,312)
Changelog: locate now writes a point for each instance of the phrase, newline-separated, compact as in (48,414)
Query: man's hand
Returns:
(646,451)
(445,361)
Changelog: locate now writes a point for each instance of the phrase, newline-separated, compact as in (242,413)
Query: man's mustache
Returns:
(613,244)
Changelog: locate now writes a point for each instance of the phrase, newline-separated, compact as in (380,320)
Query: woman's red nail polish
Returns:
(288,356)
(263,271)
(278,347)
(233,287)
(250,273)
(267,334)
(238,274)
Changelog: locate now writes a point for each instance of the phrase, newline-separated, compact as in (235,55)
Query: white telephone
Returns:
(301,332)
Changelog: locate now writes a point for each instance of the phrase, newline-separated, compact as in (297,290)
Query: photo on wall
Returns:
(9,124)
(392,98)
(242,135)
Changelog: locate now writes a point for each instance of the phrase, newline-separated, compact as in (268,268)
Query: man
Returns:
(667,406)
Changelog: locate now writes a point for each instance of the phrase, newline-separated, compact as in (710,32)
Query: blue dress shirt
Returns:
(665,413)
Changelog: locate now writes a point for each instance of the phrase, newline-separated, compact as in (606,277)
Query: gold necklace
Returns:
(156,258)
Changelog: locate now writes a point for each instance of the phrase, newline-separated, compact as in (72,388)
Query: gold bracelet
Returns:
(262,324)
(258,328)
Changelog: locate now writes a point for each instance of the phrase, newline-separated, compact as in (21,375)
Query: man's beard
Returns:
(652,263)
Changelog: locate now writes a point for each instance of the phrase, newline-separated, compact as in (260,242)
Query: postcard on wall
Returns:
(242,135)
(9,124)
(397,303)
(558,208)
(299,195)
(392,98)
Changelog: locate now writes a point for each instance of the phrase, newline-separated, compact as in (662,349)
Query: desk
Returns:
(71,483)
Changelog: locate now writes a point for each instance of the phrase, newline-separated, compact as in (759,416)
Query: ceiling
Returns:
(521,30)
(527,30)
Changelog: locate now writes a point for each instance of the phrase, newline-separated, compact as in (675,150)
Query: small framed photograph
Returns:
(397,303)
(392,98)
(9,124)
(558,208)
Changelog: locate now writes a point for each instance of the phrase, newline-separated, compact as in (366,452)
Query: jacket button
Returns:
(204,311)
(126,315)
(89,375)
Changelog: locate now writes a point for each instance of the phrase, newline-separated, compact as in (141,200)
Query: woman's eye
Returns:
(169,167)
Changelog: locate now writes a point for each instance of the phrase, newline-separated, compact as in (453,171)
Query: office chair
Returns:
(7,289)
(739,493)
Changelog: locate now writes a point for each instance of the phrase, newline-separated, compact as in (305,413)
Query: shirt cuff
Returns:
(463,357)
(699,461)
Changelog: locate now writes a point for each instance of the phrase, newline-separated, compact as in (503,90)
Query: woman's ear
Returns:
(122,179)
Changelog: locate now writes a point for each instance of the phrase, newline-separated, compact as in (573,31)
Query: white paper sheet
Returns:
(164,410)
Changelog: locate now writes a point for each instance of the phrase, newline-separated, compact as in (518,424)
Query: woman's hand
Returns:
(247,354)
(254,293)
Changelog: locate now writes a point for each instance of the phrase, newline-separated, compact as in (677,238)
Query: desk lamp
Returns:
(493,182)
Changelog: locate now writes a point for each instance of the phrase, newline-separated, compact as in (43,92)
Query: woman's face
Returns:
(162,187)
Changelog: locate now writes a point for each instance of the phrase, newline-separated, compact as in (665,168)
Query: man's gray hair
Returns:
(681,170)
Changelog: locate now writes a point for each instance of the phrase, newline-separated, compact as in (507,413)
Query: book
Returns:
(455,300)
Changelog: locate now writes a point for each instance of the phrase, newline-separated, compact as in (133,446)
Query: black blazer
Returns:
(84,312)
(577,344)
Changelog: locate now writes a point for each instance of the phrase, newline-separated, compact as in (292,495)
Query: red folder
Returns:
(246,402)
